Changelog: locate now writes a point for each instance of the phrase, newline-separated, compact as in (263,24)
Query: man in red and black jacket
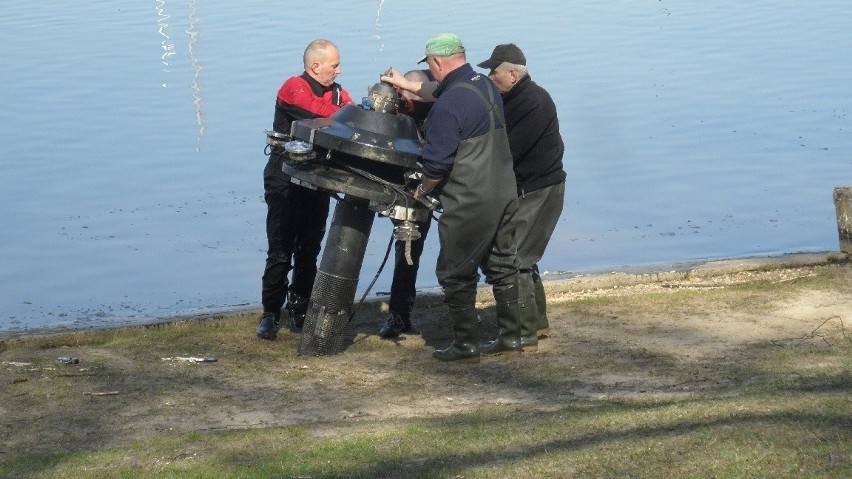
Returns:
(296,215)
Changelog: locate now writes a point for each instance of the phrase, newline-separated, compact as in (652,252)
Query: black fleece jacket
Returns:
(534,136)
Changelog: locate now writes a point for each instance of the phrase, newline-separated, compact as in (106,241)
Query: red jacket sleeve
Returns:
(297,92)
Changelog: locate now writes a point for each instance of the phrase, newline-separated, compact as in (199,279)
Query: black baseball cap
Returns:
(507,52)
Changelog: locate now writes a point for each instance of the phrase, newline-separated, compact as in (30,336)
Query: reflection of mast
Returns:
(196,66)
(379,24)
(167,44)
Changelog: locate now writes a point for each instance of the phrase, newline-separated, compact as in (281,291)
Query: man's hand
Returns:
(425,187)
(393,77)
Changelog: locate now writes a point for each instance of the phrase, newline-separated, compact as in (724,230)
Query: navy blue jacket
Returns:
(458,114)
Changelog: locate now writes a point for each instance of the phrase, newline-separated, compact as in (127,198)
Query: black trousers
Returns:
(403,287)
(538,214)
(295,226)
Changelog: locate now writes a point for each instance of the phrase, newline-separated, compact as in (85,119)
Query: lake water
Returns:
(133,136)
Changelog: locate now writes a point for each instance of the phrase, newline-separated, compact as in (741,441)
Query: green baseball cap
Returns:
(443,45)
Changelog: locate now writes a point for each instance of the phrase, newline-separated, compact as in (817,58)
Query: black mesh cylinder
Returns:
(325,328)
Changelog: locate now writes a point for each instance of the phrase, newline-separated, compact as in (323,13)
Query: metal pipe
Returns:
(324,331)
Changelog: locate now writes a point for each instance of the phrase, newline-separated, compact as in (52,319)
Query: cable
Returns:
(369,176)
(375,278)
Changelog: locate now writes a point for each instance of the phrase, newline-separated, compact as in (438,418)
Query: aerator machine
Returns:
(366,157)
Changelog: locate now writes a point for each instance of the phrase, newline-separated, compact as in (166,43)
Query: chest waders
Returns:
(476,231)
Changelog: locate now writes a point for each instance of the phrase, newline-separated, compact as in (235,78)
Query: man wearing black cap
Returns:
(537,149)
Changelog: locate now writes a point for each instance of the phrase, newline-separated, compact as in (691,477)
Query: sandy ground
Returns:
(113,398)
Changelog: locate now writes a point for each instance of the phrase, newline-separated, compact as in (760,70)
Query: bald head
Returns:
(427,86)
(322,61)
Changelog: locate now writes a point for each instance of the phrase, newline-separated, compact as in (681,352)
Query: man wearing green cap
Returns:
(466,163)
(537,149)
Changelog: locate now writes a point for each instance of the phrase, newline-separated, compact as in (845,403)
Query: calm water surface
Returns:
(132,131)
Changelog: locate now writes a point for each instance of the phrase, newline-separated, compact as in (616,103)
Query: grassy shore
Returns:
(731,375)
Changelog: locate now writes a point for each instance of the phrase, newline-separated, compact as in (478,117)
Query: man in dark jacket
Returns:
(296,215)
(467,161)
(403,286)
(537,150)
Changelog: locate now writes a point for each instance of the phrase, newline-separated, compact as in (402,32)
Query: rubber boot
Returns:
(465,331)
(528,312)
(508,341)
(297,307)
(542,325)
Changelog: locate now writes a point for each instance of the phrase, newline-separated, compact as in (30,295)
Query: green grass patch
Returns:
(769,431)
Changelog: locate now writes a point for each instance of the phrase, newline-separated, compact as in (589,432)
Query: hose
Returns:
(375,278)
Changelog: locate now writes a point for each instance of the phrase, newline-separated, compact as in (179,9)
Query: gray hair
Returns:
(316,50)
(521,69)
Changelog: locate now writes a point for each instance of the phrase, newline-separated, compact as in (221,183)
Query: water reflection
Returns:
(168,47)
(196,68)
(167,44)
(378,35)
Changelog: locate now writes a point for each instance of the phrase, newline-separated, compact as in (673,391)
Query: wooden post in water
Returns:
(843,206)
